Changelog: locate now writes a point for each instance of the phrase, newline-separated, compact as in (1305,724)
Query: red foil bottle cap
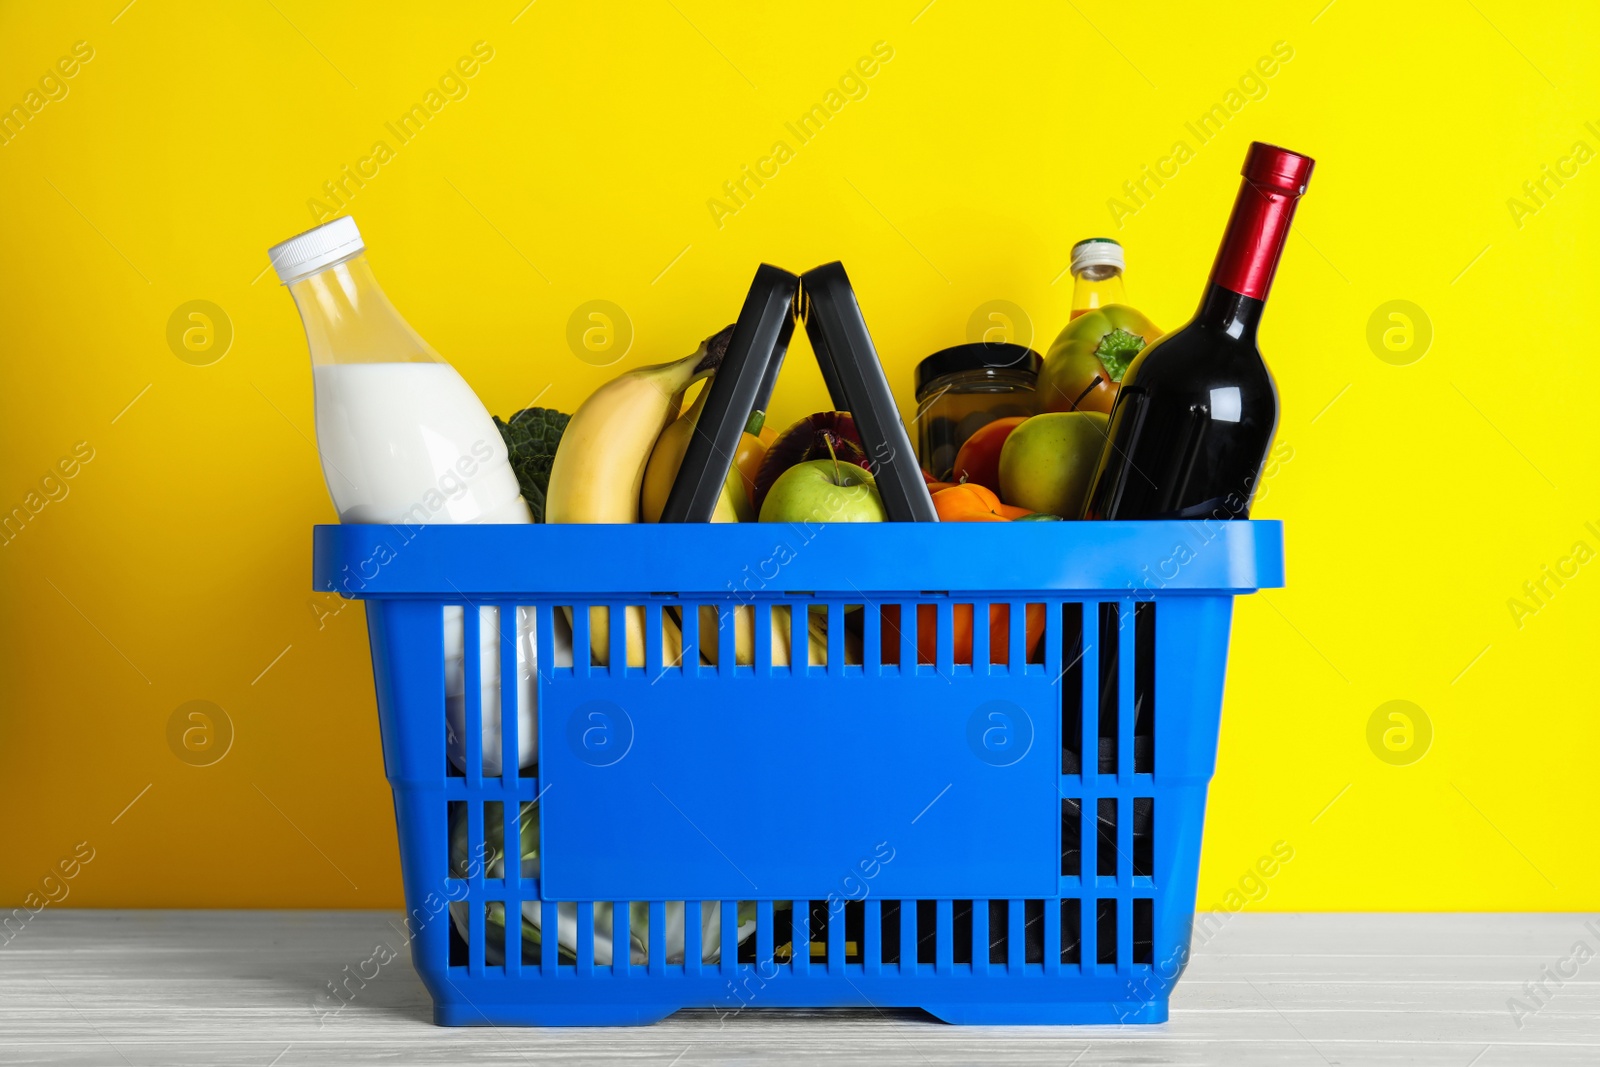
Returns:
(1274,179)
(1267,164)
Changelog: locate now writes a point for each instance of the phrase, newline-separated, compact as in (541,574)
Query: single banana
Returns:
(599,465)
(665,459)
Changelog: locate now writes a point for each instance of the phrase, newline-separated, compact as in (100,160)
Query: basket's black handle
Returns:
(830,373)
(760,338)
(769,380)
(856,383)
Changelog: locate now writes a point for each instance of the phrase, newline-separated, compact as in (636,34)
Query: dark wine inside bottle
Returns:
(1197,409)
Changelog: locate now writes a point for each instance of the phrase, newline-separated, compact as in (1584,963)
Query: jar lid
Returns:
(980,355)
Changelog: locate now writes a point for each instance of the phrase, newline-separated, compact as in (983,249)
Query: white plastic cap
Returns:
(1096,252)
(305,254)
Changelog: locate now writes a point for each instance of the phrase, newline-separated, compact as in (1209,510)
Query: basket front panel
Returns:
(767,782)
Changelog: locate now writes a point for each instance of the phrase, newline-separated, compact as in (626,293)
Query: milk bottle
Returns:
(404,440)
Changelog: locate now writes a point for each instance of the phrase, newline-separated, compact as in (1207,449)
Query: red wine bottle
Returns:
(1194,418)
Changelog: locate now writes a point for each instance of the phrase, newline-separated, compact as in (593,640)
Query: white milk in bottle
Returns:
(404,440)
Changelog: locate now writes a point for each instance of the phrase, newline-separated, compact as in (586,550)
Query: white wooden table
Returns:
(141,988)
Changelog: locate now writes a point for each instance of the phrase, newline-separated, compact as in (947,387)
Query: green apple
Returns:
(823,491)
(1047,462)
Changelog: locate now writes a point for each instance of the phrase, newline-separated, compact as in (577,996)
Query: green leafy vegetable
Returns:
(531,436)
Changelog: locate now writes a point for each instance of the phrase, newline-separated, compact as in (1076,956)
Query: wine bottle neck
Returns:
(1253,241)
(1228,312)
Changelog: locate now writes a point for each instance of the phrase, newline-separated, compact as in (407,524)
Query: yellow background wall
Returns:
(1422,492)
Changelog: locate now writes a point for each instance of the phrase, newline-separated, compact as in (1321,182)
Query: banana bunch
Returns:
(599,467)
(616,463)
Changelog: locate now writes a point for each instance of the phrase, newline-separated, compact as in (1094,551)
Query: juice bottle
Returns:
(404,440)
(1097,266)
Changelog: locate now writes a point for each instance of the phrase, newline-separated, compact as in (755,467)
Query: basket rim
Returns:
(746,562)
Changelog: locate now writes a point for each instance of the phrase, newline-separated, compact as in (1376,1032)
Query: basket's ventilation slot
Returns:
(494,933)
(782,629)
(745,951)
(1033,648)
(853,620)
(1106,837)
(458,922)
(1071,688)
(525,669)
(889,634)
(1033,931)
(818,917)
(855,930)
(784,932)
(562,654)
(1108,688)
(497,699)
(671,650)
(961,623)
(817,622)
(1105,931)
(614,953)
(1144,688)
(744,623)
(1071,931)
(889,933)
(495,851)
(961,933)
(457,853)
(999,931)
(710,923)
(927,931)
(1144,815)
(1071,838)
(599,635)
(455,746)
(1143,930)
(531,948)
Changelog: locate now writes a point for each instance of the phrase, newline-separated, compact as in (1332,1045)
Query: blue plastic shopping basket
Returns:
(1010,839)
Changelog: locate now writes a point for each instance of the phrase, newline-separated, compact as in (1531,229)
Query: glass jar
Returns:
(962,388)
